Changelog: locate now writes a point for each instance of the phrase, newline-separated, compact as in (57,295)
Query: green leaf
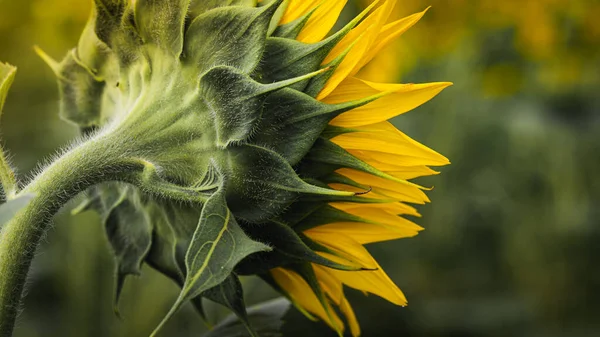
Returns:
(266,318)
(161,22)
(10,208)
(129,231)
(262,184)
(231,295)
(216,248)
(232,36)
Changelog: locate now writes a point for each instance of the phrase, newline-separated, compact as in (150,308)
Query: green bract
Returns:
(215,104)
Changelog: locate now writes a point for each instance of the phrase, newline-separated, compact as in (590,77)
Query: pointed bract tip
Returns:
(52,63)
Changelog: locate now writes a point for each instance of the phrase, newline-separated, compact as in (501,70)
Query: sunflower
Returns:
(248,146)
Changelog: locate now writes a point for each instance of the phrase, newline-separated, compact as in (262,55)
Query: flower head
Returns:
(260,150)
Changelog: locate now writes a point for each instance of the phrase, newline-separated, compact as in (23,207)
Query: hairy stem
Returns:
(97,160)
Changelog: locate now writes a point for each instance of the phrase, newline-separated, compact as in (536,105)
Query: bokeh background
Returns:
(512,240)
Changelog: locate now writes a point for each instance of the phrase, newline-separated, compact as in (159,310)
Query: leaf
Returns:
(129,231)
(266,318)
(10,208)
(216,248)
(231,295)
(233,36)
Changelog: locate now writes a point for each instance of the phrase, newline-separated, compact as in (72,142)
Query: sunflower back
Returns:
(257,144)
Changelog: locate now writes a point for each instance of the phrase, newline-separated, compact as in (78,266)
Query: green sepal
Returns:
(198,7)
(236,101)
(318,83)
(323,216)
(10,208)
(231,36)
(262,184)
(325,157)
(292,121)
(80,92)
(217,246)
(288,248)
(332,131)
(161,22)
(285,58)
(109,16)
(231,295)
(291,30)
(8,179)
(115,26)
(317,247)
(93,54)
(7,76)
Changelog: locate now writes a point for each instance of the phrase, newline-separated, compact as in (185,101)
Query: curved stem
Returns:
(95,161)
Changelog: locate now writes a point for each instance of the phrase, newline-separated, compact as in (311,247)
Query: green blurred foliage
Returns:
(512,231)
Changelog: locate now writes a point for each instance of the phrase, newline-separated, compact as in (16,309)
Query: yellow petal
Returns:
(397,99)
(298,8)
(410,172)
(365,233)
(386,10)
(373,194)
(344,246)
(391,158)
(304,298)
(389,33)
(372,281)
(390,207)
(384,137)
(398,190)
(331,285)
(321,21)
(346,309)
(379,216)
(354,45)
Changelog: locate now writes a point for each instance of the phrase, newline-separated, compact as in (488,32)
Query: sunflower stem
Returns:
(94,161)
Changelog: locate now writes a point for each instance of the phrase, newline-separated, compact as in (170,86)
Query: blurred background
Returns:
(511,246)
